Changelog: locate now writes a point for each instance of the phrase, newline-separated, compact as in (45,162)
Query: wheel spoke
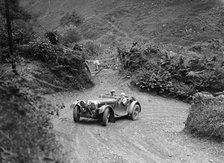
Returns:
(135,112)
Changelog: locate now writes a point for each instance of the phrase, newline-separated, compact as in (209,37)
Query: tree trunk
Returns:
(10,41)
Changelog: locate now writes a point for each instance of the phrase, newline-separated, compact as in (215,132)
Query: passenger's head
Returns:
(122,94)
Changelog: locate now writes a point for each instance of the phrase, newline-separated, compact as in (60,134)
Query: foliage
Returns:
(133,59)
(16,12)
(53,37)
(68,66)
(206,116)
(91,48)
(22,34)
(71,36)
(25,125)
(175,75)
(22,31)
(71,19)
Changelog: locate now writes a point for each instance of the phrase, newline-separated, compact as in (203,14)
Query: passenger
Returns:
(124,100)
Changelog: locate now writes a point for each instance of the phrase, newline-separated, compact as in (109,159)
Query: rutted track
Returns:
(156,137)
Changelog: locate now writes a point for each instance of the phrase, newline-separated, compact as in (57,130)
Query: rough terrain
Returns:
(170,22)
(156,137)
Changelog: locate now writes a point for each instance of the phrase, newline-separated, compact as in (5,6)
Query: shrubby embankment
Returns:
(182,76)
(25,127)
(41,66)
(173,74)
(206,116)
(65,68)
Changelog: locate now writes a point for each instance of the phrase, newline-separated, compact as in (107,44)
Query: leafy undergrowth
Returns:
(206,116)
(172,74)
(25,125)
(60,68)
(182,76)
(71,18)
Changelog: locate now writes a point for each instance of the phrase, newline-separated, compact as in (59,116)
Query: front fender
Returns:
(74,104)
(131,107)
(103,108)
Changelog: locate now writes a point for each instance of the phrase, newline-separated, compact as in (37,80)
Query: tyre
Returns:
(76,114)
(135,112)
(106,117)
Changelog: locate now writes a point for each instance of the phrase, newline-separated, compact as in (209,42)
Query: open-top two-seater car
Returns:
(107,108)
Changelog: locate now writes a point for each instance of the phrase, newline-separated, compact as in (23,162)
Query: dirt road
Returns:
(156,137)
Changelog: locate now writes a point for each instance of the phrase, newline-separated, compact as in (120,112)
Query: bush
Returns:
(71,36)
(132,60)
(91,49)
(71,19)
(22,33)
(175,75)
(25,125)
(68,66)
(41,50)
(53,37)
(206,116)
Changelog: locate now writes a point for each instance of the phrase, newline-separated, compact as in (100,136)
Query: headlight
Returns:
(92,106)
(82,103)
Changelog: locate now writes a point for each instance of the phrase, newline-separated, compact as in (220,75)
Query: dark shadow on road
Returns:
(98,122)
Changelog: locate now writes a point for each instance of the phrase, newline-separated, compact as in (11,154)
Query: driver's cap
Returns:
(112,91)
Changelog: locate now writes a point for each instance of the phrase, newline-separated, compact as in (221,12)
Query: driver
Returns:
(112,93)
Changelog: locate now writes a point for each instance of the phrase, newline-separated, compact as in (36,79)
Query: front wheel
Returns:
(135,112)
(76,114)
(106,117)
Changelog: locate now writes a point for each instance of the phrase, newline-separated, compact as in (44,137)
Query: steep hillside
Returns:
(183,26)
(182,22)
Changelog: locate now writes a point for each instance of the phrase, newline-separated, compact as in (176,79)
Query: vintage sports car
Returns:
(107,108)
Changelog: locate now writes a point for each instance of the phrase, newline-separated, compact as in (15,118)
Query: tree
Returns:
(16,12)
(11,11)
(10,41)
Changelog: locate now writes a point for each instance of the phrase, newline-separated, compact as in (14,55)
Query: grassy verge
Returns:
(206,116)
(25,125)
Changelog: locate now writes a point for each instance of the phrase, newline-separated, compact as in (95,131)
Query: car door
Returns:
(120,109)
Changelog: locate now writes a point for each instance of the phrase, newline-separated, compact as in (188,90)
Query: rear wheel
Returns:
(106,117)
(76,114)
(135,112)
